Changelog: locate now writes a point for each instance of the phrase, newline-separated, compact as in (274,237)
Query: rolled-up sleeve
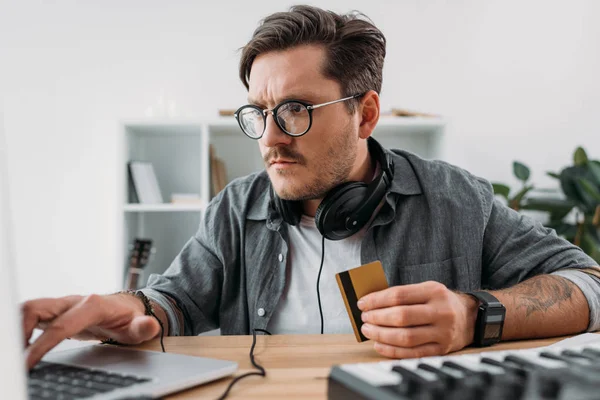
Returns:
(589,286)
(174,316)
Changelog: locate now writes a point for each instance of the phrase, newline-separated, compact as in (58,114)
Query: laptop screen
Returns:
(12,365)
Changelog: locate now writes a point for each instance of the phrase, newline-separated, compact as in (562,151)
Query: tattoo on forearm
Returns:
(542,292)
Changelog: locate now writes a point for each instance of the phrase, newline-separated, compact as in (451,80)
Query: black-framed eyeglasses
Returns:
(293,117)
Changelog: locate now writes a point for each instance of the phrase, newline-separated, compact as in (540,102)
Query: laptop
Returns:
(91,372)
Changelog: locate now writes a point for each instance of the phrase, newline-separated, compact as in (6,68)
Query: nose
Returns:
(273,136)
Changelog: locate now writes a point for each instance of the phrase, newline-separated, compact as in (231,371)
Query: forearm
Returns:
(543,306)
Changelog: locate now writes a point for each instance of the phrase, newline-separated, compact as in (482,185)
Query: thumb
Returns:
(143,328)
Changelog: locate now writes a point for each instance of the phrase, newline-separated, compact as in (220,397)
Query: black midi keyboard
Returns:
(550,373)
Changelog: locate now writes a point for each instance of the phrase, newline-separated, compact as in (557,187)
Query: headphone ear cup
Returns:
(336,207)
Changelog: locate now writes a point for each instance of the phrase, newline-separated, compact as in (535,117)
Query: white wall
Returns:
(518,80)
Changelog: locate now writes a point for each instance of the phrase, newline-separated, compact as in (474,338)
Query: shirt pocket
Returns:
(453,272)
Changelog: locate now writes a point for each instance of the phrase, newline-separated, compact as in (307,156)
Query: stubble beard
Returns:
(326,172)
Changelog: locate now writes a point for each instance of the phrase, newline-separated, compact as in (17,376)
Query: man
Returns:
(253,263)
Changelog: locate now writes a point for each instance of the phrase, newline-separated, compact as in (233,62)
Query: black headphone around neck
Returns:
(347,207)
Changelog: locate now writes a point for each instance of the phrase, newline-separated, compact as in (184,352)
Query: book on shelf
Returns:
(218,173)
(144,182)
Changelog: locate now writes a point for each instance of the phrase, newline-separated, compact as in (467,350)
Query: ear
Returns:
(368,110)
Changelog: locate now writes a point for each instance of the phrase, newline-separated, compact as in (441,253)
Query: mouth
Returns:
(281,163)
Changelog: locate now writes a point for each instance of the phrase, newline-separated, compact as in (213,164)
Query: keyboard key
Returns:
(534,361)
(64,382)
(578,353)
(419,383)
(591,352)
(508,366)
(574,361)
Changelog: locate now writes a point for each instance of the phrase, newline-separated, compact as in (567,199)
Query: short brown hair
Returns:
(355,48)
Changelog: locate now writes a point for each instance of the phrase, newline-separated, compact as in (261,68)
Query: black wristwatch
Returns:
(490,319)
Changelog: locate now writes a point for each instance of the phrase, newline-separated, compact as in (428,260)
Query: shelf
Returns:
(164,207)
(164,127)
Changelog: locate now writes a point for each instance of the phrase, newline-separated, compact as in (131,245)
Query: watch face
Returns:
(492,331)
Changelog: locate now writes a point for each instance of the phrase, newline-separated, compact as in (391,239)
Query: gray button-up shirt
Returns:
(438,222)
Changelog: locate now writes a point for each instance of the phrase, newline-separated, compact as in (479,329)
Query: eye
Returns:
(296,108)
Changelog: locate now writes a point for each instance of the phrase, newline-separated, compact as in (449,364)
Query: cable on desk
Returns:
(261,371)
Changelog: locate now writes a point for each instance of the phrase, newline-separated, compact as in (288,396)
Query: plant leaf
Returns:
(553,175)
(594,167)
(521,171)
(569,182)
(580,157)
(590,189)
(501,189)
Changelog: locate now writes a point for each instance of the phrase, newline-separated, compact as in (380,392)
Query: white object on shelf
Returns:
(145,182)
(187,198)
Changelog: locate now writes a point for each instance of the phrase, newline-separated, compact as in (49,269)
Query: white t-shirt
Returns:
(298,308)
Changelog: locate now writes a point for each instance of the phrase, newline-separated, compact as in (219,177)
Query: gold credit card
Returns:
(356,283)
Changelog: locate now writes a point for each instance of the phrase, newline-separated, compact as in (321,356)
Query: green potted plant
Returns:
(580,184)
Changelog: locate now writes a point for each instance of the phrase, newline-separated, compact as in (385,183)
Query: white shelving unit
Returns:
(179,152)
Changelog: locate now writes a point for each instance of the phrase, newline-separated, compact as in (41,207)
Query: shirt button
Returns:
(261,312)
(280,257)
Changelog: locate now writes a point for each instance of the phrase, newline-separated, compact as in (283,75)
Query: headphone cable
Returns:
(319,279)
(261,371)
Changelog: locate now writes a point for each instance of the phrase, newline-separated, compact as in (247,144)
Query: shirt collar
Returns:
(405,180)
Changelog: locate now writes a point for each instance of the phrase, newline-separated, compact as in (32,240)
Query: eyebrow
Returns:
(293,96)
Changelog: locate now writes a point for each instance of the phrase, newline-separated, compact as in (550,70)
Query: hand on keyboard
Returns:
(419,320)
(120,317)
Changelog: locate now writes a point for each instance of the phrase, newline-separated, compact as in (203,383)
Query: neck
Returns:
(363,171)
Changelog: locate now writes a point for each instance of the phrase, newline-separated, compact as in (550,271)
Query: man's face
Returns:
(305,167)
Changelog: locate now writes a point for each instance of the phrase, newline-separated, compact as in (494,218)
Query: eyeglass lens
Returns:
(292,117)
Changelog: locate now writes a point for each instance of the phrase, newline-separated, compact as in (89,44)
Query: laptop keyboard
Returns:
(65,382)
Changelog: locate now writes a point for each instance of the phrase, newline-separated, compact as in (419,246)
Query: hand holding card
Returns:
(356,283)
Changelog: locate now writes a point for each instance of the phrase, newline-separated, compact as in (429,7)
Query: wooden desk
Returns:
(297,365)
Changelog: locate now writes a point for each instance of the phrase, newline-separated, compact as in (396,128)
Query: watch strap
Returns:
(490,319)
(486,298)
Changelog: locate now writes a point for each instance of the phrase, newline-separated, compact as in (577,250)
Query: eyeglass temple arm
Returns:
(333,102)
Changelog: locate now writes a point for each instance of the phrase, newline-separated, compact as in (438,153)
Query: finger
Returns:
(418,293)
(425,350)
(140,329)
(401,337)
(401,316)
(84,314)
(38,311)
